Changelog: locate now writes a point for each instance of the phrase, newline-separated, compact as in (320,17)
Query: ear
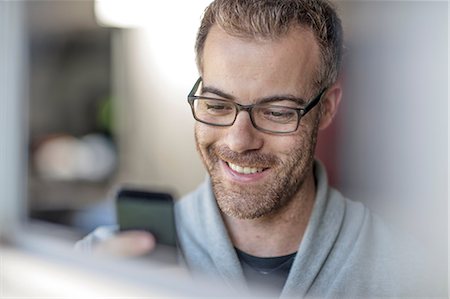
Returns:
(330,104)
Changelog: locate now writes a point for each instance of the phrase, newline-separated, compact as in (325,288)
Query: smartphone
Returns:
(140,209)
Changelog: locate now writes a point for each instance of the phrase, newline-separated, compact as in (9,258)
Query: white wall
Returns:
(393,152)
(154,71)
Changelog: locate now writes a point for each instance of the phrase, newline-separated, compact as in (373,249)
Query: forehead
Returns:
(238,65)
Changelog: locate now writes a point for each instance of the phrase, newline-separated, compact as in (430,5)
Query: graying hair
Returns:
(272,19)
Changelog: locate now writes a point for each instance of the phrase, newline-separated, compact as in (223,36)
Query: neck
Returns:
(279,233)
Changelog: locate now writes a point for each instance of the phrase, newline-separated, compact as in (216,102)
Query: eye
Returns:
(278,114)
(217,107)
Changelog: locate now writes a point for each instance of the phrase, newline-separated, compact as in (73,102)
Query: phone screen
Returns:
(151,211)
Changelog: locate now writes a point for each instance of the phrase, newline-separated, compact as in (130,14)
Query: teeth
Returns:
(244,170)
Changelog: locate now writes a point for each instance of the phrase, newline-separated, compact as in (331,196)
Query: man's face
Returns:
(255,173)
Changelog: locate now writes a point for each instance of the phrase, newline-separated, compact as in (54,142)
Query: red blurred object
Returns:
(327,150)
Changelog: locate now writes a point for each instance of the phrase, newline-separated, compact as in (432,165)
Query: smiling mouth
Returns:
(244,169)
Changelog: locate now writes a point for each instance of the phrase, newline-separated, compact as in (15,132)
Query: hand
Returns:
(127,244)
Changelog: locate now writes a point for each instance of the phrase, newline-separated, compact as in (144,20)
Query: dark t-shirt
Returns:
(266,272)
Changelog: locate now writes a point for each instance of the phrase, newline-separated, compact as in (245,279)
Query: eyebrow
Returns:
(279,98)
(264,100)
(217,92)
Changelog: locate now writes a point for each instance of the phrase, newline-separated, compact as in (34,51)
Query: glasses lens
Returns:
(214,111)
(275,118)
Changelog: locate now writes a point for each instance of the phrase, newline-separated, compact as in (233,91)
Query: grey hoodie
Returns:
(346,251)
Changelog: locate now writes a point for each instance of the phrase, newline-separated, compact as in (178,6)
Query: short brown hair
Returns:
(271,19)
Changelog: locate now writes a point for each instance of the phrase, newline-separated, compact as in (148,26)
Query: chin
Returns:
(252,202)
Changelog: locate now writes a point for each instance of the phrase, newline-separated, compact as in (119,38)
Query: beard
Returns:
(254,200)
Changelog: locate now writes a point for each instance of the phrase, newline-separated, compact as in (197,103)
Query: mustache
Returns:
(250,158)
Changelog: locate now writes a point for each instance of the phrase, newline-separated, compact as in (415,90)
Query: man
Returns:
(266,215)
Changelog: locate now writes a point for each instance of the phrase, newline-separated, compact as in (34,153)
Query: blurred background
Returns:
(103,88)
(107,104)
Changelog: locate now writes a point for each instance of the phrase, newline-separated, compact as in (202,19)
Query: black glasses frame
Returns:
(300,111)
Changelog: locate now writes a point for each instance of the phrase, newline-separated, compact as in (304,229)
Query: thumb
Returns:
(127,244)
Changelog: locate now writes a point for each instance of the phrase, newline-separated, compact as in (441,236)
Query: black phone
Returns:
(140,209)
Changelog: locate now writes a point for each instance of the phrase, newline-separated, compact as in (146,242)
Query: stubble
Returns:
(251,201)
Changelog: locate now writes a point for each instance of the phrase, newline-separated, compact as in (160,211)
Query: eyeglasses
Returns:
(266,117)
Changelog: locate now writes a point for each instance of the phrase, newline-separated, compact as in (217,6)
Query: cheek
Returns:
(286,148)
(205,136)
(285,145)
(295,147)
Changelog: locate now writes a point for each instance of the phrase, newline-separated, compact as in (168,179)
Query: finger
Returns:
(127,244)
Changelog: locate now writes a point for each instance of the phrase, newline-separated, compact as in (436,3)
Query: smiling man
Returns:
(265,216)
(254,135)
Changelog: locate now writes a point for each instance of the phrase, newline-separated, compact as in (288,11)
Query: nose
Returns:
(242,136)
